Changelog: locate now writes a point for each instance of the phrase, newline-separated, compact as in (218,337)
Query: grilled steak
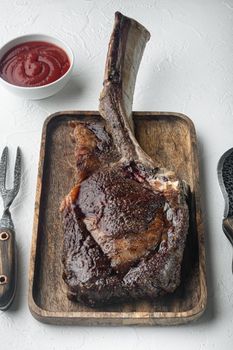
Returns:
(125,220)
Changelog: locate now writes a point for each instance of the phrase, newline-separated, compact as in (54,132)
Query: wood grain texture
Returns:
(8,268)
(170,139)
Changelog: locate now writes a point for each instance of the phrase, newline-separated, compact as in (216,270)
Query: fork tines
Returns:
(8,195)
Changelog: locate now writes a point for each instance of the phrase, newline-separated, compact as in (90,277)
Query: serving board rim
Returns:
(97,317)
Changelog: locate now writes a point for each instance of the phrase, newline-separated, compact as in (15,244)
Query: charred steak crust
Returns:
(125,220)
(91,276)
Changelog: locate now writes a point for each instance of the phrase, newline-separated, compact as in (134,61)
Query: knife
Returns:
(225,178)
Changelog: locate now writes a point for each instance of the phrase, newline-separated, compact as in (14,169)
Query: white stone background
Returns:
(187,67)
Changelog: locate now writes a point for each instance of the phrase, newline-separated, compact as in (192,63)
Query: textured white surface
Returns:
(188,68)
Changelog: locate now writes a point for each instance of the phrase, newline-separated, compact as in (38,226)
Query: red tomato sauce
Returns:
(34,63)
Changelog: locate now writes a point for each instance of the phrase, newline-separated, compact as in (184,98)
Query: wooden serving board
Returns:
(170,139)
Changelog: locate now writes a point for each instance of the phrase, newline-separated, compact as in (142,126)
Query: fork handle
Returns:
(8,267)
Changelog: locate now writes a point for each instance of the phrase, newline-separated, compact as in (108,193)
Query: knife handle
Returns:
(7,268)
(228,228)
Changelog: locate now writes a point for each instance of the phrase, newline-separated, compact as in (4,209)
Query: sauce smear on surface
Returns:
(34,63)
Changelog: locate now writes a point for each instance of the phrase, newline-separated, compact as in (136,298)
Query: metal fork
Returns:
(8,261)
